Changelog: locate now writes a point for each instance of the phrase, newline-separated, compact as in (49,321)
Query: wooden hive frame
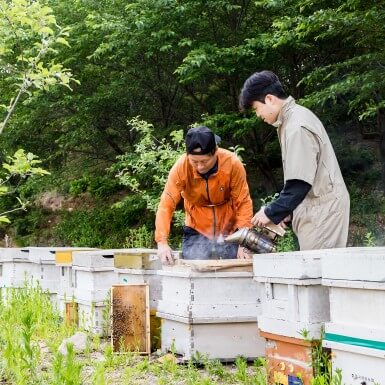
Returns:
(130,318)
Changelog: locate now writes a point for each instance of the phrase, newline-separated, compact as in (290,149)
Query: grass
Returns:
(32,331)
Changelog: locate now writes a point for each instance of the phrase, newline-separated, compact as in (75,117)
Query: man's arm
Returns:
(169,200)
(240,195)
(292,194)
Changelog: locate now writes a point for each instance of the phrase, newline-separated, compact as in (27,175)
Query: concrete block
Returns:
(224,341)
(140,276)
(209,295)
(354,264)
(358,351)
(299,265)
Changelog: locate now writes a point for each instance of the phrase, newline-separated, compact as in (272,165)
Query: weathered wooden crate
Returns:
(141,276)
(209,295)
(217,340)
(15,267)
(292,296)
(130,318)
(289,360)
(358,351)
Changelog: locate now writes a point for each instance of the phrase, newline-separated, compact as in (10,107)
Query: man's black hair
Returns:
(257,86)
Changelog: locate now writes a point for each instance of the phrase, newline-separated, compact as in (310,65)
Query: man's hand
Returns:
(243,253)
(260,219)
(165,254)
(284,223)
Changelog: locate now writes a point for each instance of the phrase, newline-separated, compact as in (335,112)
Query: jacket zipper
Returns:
(214,216)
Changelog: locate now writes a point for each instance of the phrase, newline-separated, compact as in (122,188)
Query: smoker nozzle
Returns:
(253,240)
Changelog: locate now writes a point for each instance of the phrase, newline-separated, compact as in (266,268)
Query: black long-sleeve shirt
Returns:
(292,194)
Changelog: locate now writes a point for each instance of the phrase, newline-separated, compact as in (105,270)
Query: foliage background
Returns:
(173,64)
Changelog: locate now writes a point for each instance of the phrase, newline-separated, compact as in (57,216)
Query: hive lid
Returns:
(354,264)
(296,265)
(212,265)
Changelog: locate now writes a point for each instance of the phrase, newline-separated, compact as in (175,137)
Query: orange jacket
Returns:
(227,190)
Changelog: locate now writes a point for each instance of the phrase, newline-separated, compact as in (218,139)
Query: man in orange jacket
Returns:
(212,182)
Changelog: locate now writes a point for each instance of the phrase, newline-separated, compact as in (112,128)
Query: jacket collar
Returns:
(288,104)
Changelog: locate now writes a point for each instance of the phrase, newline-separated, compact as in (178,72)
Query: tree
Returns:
(28,34)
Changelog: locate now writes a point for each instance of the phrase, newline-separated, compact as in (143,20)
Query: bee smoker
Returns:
(257,241)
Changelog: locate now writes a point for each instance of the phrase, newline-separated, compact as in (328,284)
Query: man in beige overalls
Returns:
(314,196)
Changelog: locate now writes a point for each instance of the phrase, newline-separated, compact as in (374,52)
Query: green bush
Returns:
(102,226)
(97,186)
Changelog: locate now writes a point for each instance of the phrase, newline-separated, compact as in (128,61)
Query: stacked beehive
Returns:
(15,267)
(356,331)
(140,266)
(44,271)
(66,290)
(93,275)
(211,313)
(294,304)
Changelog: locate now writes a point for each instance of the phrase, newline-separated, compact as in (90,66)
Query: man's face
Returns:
(202,163)
(267,111)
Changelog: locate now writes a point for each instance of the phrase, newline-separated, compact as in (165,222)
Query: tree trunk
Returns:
(381,131)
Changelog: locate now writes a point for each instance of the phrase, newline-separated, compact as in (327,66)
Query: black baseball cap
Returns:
(201,140)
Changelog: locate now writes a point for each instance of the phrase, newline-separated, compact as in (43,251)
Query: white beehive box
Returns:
(94,317)
(94,258)
(93,275)
(63,259)
(358,352)
(43,269)
(225,341)
(15,267)
(44,254)
(356,281)
(204,296)
(66,282)
(292,297)
(93,284)
(354,264)
(140,276)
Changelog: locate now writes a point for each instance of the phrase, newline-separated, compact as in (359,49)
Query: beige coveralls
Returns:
(322,219)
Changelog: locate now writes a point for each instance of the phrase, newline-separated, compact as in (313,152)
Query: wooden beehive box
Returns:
(130,315)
